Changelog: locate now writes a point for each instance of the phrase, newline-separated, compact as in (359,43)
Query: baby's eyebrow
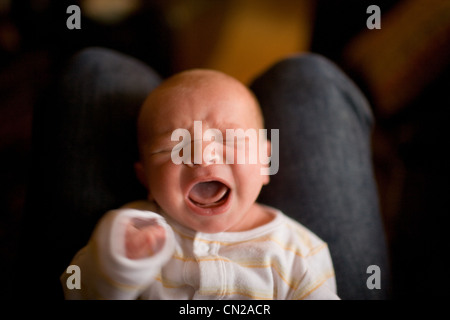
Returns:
(163,134)
(162,138)
(167,133)
(224,126)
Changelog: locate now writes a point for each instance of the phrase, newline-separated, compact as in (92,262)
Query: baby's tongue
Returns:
(207,193)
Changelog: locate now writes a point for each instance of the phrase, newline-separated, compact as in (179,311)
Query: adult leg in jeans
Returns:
(325,179)
(84,144)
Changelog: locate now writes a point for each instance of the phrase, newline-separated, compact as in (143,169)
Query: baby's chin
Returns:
(228,222)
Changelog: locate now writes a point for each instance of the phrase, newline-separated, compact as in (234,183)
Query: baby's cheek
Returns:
(166,187)
(248,179)
(161,174)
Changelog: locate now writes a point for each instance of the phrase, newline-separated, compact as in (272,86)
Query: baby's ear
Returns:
(142,177)
(266,176)
(140,173)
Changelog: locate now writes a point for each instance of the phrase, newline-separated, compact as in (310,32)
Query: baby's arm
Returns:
(315,288)
(126,251)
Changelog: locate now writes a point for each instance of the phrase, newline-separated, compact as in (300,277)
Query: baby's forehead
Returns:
(200,82)
(199,77)
(198,94)
(202,89)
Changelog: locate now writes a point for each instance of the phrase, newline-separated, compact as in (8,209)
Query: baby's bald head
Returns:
(196,94)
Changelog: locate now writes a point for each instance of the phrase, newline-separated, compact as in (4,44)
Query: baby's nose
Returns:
(205,153)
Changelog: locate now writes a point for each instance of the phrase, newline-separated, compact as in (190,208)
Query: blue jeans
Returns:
(326,178)
(85,146)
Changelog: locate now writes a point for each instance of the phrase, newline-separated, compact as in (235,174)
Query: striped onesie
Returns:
(279,260)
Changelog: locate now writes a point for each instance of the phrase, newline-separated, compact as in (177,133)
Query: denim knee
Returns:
(304,76)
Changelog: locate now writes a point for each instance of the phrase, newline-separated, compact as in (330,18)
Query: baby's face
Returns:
(215,195)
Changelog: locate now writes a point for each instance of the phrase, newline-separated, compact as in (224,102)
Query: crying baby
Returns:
(201,234)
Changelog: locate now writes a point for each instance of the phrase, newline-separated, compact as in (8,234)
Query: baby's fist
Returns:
(143,241)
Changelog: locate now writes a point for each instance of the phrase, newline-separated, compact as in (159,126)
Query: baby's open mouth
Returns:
(209,194)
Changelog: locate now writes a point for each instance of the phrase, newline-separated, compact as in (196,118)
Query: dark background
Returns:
(403,69)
